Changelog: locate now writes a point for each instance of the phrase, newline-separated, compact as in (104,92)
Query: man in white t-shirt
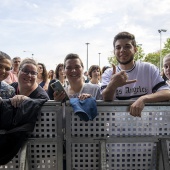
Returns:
(132,80)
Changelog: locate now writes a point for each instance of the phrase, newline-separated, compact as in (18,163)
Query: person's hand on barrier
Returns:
(59,96)
(137,107)
(17,100)
(84,96)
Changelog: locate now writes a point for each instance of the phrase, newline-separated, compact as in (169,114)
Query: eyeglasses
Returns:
(6,68)
(26,72)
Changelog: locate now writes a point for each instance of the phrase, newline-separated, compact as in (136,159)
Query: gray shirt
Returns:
(92,89)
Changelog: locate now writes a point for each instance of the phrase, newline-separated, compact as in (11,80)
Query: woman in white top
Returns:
(95,74)
(73,67)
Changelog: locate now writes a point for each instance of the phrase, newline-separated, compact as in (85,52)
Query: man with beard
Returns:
(132,80)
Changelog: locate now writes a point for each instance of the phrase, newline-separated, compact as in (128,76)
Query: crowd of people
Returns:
(129,80)
(22,79)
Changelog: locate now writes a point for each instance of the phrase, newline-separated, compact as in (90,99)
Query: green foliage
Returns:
(153,58)
(112,60)
(166,49)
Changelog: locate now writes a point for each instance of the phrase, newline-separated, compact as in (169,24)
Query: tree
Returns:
(153,58)
(166,49)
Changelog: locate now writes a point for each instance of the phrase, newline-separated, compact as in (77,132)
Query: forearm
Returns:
(159,96)
(108,93)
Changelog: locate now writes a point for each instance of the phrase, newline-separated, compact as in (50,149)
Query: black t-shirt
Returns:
(38,93)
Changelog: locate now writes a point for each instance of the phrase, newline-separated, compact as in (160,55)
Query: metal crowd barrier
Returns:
(114,140)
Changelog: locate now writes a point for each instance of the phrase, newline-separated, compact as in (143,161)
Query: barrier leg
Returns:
(165,154)
(23,163)
(102,154)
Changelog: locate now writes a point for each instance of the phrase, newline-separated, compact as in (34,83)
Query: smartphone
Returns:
(57,86)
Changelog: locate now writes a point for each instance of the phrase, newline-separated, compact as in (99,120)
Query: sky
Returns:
(48,30)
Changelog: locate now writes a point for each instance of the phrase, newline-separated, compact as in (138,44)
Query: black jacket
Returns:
(15,124)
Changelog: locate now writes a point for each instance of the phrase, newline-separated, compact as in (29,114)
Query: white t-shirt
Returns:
(99,84)
(148,81)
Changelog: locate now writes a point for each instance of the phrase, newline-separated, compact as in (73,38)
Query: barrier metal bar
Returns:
(23,161)
(159,157)
(102,154)
(165,154)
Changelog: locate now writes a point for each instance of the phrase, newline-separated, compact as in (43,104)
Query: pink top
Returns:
(12,77)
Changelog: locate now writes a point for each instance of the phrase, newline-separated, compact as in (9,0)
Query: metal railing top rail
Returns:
(110,103)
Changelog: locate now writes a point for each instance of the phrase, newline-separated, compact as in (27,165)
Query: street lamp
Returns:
(160,59)
(99,59)
(87,53)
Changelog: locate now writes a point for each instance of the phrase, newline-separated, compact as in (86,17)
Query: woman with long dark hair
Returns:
(42,78)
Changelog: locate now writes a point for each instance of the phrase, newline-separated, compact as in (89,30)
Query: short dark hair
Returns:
(72,56)
(4,56)
(92,68)
(125,35)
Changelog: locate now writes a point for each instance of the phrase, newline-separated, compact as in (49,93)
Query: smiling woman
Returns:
(27,85)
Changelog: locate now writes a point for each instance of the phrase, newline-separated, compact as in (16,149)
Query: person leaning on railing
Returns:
(132,80)
(73,67)
(27,87)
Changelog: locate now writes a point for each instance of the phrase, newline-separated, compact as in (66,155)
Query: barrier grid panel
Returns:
(13,164)
(112,124)
(44,143)
(42,155)
(122,124)
(46,125)
(85,156)
(131,156)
